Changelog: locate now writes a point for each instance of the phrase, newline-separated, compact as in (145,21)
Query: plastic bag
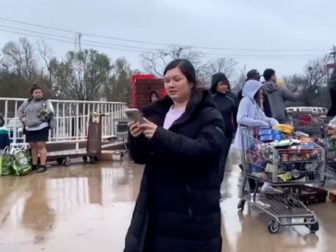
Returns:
(6,161)
(21,162)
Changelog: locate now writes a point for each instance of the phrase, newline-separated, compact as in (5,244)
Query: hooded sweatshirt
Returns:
(276,98)
(31,109)
(249,112)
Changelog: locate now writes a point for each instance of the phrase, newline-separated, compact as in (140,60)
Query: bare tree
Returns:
(29,67)
(20,57)
(119,85)
(46,56)
(316,72)
(224,65)
(13,57)
(82,75)
(155,62)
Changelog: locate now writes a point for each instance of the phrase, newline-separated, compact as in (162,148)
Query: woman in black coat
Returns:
(181,144)
(226,104)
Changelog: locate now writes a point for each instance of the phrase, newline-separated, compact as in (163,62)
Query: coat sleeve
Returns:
(288,96)
(270,121)
(139,149)
(21,110)
(244,118)
(206,146)
(50,107)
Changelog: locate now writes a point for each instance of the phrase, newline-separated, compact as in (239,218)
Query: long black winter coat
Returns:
(178,209)
(228,108)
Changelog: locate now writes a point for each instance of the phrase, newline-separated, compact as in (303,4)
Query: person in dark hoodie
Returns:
(274,98)
(221,89)
(180,142)
(332,90)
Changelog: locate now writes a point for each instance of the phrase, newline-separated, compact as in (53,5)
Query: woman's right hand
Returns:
(134,129)
(24,120)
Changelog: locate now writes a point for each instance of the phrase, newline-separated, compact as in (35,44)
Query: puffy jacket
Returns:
(178,205)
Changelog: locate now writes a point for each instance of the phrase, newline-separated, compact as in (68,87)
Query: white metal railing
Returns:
(71,118)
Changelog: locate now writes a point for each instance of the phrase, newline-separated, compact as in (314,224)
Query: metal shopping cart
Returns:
(285,168)
(329,143)
(308,123)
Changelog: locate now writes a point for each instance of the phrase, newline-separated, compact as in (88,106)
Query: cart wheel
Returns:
(241,205)
(312,227)
(60,161)
(67,162)
(274,227)
(85,159)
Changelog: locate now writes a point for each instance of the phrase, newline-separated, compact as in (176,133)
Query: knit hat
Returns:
(253,75)
(216,78)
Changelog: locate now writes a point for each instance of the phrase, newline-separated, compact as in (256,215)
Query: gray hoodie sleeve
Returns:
(289,96)
(21,110)
(50,107)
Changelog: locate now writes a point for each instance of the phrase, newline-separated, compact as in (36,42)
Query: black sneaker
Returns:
(34,167)
(41,169)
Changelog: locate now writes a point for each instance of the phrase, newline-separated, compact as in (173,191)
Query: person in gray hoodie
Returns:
(275,98)
(36,114)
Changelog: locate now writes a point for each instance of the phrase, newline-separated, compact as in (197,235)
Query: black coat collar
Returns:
(199,99)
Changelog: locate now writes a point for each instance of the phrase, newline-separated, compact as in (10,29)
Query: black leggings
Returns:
(225,154)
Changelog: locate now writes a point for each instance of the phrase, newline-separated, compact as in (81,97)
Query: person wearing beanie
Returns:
(275,97)
(332,90)
(221,89)
(251,75)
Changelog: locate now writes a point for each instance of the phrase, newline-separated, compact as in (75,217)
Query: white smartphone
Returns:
(134,115)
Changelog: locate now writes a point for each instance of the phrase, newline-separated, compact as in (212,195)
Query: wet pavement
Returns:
(88,208)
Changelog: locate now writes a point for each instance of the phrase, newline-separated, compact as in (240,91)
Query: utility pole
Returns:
(333,54)
(78,45)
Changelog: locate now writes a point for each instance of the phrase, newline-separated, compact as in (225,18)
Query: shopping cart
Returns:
(307,123)
(286,169)
(329,144)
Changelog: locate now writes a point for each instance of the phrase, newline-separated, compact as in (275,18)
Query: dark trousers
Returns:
(225,154)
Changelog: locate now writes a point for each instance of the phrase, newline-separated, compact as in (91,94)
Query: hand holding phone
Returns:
(134,115)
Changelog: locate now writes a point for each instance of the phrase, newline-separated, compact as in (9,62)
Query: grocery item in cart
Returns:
(267,135)
(332,196)
(285,128)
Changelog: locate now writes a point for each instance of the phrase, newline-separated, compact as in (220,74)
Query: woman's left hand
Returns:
(149,128)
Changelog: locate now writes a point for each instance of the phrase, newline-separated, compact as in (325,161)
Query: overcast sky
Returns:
(279,27)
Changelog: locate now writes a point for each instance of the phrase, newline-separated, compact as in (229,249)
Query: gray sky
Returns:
(243,25)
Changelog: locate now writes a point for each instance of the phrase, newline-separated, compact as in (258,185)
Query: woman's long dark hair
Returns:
(185,67)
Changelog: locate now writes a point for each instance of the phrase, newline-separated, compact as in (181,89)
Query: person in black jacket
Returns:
(332,90)
(220,88)
(180,143)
